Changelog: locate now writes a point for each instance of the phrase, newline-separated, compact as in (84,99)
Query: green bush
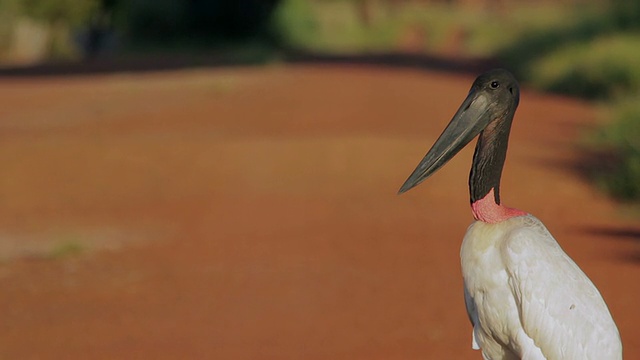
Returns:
(618,143)
(356,26)
(593,53)
(606,67)
(294,24)
(57,18)
(160,20)
(70,12)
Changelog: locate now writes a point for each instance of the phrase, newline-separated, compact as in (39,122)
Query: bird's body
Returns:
(524,295)
(528,300)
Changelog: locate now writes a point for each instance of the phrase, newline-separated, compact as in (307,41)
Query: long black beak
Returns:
(471,118)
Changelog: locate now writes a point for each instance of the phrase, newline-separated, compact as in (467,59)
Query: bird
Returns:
(525,297)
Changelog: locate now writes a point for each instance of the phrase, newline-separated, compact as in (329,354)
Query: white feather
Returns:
(528,300)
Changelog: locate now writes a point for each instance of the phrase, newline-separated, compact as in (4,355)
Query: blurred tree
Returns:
(626,14)
(33,30)
(216,20)
(230,19)
(294,24)
(71,12)
(153,19)
(100,28)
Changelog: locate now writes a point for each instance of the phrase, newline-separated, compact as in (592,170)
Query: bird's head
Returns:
(492,99)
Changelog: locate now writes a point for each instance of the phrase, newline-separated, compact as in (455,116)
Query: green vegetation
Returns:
(38,30)
(70,12)
(66,249)
(294,24)
(52,20)
(377,25)
(590,54)
(600,69)
(617,145)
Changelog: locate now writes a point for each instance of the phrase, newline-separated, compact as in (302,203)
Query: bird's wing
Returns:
(472,311)
(560,308)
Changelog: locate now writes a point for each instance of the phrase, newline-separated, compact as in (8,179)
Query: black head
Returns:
(502,90)
(492,99)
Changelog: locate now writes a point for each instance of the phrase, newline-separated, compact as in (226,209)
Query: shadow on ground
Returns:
(623,234)
(171,62)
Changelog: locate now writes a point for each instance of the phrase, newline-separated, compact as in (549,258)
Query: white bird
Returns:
(525,297)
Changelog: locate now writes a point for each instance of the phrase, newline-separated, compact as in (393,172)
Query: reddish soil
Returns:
(251,213)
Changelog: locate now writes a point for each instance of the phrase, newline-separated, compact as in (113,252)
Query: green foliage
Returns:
(605,67)
(294,24)
(483,31)
(153,19)
(378,25)
(71,12)
(196,23)
(592,54)
(56,17)
(624,15)
(620,140)
(9,10)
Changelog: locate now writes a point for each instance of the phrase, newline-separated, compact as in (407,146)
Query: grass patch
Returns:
(66,249)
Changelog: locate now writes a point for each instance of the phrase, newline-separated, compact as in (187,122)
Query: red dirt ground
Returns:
(251,213)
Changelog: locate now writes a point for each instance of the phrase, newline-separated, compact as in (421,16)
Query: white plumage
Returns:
(528,300)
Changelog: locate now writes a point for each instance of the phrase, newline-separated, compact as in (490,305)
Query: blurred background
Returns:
(216,179)
(582,48)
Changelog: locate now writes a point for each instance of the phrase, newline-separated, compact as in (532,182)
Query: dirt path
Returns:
(251,214)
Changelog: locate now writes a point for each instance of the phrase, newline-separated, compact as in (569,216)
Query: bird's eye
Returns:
(494,84)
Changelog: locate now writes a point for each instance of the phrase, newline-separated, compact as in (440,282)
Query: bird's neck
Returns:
(486,170)
(489,211)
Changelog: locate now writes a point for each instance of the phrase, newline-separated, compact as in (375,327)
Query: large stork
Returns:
(524,295)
